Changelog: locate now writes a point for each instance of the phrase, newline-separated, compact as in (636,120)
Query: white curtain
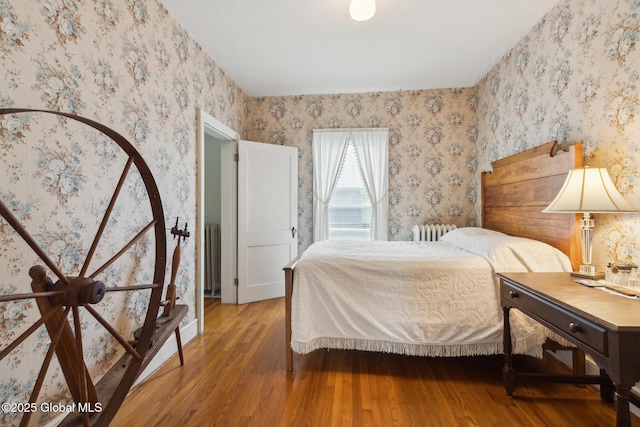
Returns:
(328,150)
(372,148)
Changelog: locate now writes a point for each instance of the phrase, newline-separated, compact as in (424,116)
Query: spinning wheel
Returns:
(66,297)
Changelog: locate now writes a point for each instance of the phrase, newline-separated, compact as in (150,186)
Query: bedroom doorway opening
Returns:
(216,205)
(257,212)
(212,215)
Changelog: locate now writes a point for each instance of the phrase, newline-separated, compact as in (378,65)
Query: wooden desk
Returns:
(605,326)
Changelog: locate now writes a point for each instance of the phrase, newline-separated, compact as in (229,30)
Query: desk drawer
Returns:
(568,324)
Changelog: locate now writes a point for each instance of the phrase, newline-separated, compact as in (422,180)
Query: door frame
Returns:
(209,125)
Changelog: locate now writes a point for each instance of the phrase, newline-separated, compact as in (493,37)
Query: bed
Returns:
(438,298)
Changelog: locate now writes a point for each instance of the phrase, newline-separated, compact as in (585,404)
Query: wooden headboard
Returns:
(521,185)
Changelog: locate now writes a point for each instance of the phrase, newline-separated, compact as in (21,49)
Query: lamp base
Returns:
(588,272)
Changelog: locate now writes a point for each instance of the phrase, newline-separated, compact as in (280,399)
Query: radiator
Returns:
(212,259)
(431,232)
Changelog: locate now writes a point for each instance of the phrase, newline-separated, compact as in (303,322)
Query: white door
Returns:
(267,218)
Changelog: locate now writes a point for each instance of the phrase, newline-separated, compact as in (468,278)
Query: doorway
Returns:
(212,215)
(221,143)
(258,243)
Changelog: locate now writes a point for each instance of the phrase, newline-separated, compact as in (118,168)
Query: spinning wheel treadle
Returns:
(57,299)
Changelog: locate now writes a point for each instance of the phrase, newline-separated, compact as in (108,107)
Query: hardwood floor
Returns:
(234,375)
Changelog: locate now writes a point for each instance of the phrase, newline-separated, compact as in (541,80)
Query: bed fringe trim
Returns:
(530,345)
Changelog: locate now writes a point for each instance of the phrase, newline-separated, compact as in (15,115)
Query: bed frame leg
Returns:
(288,290)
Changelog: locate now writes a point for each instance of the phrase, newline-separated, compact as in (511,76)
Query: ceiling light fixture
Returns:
(362,10)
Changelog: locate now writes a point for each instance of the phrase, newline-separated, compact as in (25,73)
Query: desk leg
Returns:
(623,419)
(606,387)
(508,375)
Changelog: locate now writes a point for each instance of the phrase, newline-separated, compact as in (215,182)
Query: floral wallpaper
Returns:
(128,65)
(574,77)
(432,158)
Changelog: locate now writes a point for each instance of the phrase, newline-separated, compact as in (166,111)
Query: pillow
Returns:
(479,241)
(508,253)
(460,235)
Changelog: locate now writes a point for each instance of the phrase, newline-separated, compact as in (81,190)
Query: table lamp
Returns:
(588,190)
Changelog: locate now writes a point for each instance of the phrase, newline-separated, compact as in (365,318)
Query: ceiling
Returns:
(304,47)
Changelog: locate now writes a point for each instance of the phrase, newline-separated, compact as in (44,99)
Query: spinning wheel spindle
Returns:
(170,300)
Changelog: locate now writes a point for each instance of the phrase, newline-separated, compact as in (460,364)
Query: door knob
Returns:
(293,232)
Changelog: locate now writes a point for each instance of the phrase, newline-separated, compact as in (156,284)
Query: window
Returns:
(350,180)
(350,206)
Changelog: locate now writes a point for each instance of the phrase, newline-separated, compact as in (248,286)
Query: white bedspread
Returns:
(415,298)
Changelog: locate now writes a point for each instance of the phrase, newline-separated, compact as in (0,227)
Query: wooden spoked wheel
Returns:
(62,299)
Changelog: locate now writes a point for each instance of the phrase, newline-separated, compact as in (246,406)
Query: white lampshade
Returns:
(589,190)
(362,10)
